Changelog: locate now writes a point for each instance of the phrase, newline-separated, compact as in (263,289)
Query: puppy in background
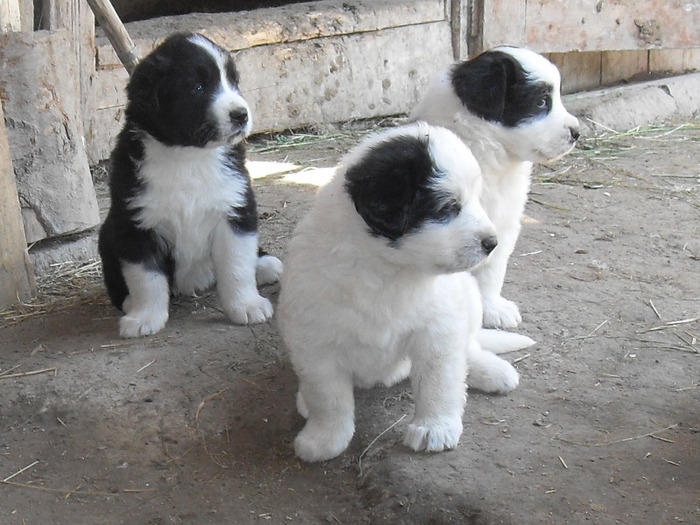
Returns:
(376,288)
(505,104)
(183,214)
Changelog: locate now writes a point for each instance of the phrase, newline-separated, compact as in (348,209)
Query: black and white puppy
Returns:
(506,106)
(183,215)
(376,289)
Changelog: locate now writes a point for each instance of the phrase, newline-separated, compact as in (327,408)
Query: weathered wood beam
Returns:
(591,25)
(10,16)
(16,275)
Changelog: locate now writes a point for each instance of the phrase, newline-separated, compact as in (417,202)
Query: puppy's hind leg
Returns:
(146,306)
(489,373)
(329,407)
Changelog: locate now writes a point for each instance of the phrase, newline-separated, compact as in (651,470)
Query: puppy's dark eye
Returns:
(198,89)
(543,103)
(448,211)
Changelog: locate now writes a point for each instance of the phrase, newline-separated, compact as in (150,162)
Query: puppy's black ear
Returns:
(388,185)
(143,85)
(152,73)
(482,83)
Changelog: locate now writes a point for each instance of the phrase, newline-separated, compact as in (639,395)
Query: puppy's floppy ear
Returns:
(482,83)
(143,85)
(152,73)
(386,186)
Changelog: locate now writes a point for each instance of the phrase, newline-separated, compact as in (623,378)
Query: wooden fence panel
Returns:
(591,25)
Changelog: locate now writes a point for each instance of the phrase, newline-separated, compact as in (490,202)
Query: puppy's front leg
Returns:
(326,401)
(146,306)
(235,256)
(438,382)
(498,311)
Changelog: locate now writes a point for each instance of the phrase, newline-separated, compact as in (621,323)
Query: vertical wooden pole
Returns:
(475,27)
(108,19)
(77,17)
(10,19)
(459,20)
(16,275)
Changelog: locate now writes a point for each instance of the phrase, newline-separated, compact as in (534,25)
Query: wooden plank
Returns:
(691,59)
(275,49)
(590,25)
(10,16)
(666,61)
(674,60)
(579,71)
(504,22)
(76,17)
(286,24)
(16,276)
(322,80)
(343,78)
(39,81)
(622,65)
(461,13)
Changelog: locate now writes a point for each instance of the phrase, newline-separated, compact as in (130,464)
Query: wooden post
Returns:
(16,275)
(10,19)
(108,19)
(460,14)
(41,86)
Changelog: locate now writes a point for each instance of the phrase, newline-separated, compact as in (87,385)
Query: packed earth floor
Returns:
(195,424)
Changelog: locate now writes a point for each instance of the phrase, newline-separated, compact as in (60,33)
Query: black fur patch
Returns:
(495,87)
(171,91)
(392,188)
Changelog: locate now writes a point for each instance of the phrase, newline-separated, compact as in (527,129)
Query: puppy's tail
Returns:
(501,342)
(268,269)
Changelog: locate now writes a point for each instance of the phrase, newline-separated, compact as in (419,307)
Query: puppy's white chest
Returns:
(186,192)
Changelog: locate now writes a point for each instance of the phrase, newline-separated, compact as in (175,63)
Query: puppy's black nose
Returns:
(239,116)
(489,243)
(575,134)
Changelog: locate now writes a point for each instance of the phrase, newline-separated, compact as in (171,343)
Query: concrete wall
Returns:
(333,60)
(301,64)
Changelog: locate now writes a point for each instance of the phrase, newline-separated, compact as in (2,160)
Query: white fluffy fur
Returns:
(505,156)
(355,311)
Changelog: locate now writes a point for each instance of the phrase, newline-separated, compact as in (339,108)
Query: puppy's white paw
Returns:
(251,309)
(500,313)
(320,442)
(268,270)
(139,323)
(433,435)
(498,377)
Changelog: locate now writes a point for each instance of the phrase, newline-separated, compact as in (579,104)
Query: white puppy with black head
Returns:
(376,289)
(506,106)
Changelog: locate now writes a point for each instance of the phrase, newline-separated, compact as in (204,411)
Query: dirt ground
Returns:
(195,424)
